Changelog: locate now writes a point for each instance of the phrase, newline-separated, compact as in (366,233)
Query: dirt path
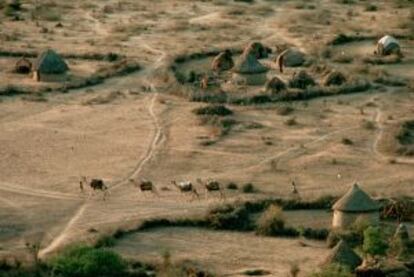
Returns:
(63,235)
(155,141)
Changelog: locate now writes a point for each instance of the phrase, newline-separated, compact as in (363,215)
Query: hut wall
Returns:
(49,77)
(345,220)
(250,79)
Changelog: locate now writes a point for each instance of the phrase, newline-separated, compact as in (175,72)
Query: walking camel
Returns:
(144,186)
(186,187)
(212,186)
(94,184)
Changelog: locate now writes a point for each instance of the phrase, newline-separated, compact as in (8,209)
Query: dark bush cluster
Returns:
(230,217)
(219,110)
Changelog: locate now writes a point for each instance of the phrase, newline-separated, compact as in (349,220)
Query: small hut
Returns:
(275,85)
(401,241)
(353,205)
(344,255)
(257,49)
(291,57)
(249,71)
(301,80)
(50,67)
(222,62)
(334,78)
(23,66)
(388,45)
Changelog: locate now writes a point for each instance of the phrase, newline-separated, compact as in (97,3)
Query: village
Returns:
(242,145)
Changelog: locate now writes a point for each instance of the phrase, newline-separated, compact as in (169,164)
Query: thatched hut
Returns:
(344,255)
(258,50)
(50,67)
(388,45)
(222,62)
(291,57)
(249,71)
(275,85)
(353,205)
(23,66)
(301,80)
(334,78)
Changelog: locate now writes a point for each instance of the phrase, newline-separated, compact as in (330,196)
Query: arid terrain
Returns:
(141,124)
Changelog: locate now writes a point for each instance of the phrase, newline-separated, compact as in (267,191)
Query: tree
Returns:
(85,261)
(374,243)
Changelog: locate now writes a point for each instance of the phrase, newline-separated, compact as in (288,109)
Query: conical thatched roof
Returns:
(275,85)
(50,62)
(248,64)
(356,200)
(257,49)
(344,255)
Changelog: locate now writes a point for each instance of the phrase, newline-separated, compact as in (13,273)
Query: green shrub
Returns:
(84,261)
(317,234)
(219,110)
(229,217)
(105,241)
(271,222)
(248,188)
(374,242)
(353,239)
(232,186)
(347,141)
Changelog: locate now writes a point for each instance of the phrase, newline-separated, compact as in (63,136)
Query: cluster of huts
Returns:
(49,66)
(355,205)
(248,70)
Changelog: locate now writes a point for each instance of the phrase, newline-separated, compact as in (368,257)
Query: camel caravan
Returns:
(49,66)
(145,186)
(258,65)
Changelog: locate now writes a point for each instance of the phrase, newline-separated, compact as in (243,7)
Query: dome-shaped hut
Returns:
(353,205)
(249,71)
(257,49)
(222,62)
(388,45)
(343,255)
(291,57)
(275,85)
(50,67)
(23,66)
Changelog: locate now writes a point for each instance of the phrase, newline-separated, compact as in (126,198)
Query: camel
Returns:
(144,185)
(186,187)
(94,184)
(211,186)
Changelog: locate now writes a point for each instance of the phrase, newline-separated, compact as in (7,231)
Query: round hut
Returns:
(353,205)
(388,45)
(23,66)
(343,255)
(301,80)
(257,49)
(222,62)
(275,85)
(334,78)
(291,57)
(50,67)
(249,71)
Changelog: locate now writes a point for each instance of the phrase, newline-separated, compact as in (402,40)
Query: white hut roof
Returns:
(387,40)
(356,200)
(248,64)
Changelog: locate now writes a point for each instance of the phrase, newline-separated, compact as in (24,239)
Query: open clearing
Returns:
(138,125)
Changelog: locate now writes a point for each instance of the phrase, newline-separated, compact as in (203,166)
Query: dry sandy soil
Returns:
(133,127)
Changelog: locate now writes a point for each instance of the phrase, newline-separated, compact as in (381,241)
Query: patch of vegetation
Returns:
(249,188)
(232,186)
(84,261)
(374,244)
(285,110)
(219,110)
(255,272)
(230,217)
(347,141)
(105,241)
(271,222)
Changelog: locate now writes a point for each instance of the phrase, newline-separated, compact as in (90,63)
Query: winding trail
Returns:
(156,140)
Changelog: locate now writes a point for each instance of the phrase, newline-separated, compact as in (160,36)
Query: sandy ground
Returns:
(225,253)
(128,127)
